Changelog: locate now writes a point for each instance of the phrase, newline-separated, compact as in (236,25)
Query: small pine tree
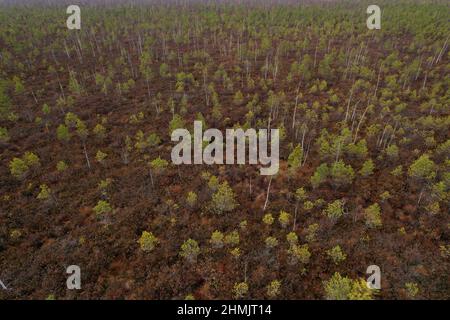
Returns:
(337,287)
(358,150)
(273,289)
(102,207)
(334,210)
(103,186)
(45,192)
(433,208)
(268,219)
(392,151)
(295,159)
(336,254)
(299,253)
(70,120)
(284,218)
(397,171)
(341,174)
(325,69)
(61,166)
(320,175)
(62,133)
(238,98)
(148,241)
(74,85)
(271,242)
(240,290)
(140,144)
(360,291)
(99,131)
(300,194)
(223,200)
(305,68)
(159,165)
(164,70)
(412,289)
(153,140)
(217,239)
(373,216)
(311,232)
(367,168)
(308,205)
(235,252)
(423,169)
(82,130)
(191,198)
(232,238)
(190,250)
(18,168)
(18,85)
(45,109)
(31,159)
(292,238)
(100,157)
(4,137)
(385,196)
(177,122)
(213,183)
(15,234)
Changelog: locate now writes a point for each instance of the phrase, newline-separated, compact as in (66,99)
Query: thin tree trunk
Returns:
(268,192)
(295,215)
(86,155)
(348,104)
(151,179)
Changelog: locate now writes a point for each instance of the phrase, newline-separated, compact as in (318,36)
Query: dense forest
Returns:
(85,136)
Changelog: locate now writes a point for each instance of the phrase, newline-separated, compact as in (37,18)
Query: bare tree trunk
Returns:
(338,152)
(348,104)
(151,178)
(34,96)
(444,47)
(420,196)
(425,80)
(303,138)
(67,51)
(307,153)
(295,215)
(382,136)
(360,121)
(268,192)
(315,57)
(295,108)
(378,81)
(418,69)
(86,155)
